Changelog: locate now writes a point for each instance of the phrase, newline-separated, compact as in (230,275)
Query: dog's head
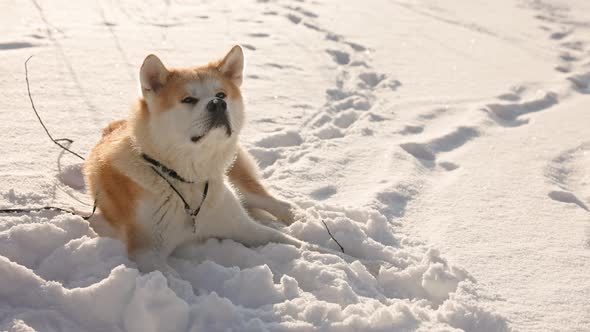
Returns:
(193,111)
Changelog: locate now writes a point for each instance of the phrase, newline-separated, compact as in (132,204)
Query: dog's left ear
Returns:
(232,65)
(152,75)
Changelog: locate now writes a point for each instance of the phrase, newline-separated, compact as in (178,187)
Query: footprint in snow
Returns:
(265,157)
(508,114)
(357,102)
(289,138)
(294,18)
(370,79)
(574,45)
(15,45)
(566,197)
(323,193)
(303,11)
(345,119)
(514,94)
(259,35)
(448,166)
(329,132)
(448,142)
(581,82)
(356,47)
(568,57)
(563,68)
(412,130)
(559,35)
(435,113)
(340,57)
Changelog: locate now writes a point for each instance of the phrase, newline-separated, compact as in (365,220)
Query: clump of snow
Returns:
(90,283)
(289,138)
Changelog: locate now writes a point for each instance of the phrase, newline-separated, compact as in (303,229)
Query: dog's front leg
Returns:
(227,219)
(243,174)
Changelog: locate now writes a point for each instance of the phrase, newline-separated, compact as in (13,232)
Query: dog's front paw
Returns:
(291,214)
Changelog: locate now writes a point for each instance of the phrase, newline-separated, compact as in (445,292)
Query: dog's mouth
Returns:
(219,120)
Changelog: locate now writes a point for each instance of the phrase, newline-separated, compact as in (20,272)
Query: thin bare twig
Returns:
(332,236)
(41,121)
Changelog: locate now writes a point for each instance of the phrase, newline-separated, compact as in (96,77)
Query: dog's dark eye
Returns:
(220,95)
(190,100)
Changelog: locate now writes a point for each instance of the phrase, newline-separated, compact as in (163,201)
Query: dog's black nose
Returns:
(217,105)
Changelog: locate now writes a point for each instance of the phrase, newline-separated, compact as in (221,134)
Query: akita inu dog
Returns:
(160,177)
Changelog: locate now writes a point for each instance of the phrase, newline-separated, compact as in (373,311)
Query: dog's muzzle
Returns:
(217,108)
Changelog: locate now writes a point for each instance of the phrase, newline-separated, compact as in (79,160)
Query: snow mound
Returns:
(58,275)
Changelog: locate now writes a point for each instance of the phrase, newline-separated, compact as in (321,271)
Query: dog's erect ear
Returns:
(153,74)
(232,65)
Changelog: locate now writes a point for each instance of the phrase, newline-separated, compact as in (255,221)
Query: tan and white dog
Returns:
(180,142)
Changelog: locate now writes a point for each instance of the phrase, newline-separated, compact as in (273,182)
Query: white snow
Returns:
(445,142)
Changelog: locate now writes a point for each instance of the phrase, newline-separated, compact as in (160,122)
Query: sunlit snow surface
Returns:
(446,139)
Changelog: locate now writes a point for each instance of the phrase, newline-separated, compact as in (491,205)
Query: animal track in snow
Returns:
(435,113)
(294,18)
(567,56)
(282,66)
(573,45)
(568,172)
(15,45)
(303,11)
(560,35)
(394,84)
(345,119)
(288,138)
(393,201)
(566,197)
(371,79)
(329,133)
(259,34)
(514,94)
(581,82)
(265,157)
(356,47)
(563,68)
(448,166)
(311,26)
(359,63)
(357,102)
(507,114)
(340,57)
(420,151)
(324,192)
(409,130)
(445,143)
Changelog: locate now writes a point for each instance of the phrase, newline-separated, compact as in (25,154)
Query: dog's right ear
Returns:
(152,75)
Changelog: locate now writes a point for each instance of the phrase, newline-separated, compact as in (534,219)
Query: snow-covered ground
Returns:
(446,138)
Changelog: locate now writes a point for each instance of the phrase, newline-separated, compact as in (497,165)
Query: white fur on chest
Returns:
(163,218)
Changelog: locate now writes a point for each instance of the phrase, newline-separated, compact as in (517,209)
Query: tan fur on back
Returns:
(117,194)
(113,126)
